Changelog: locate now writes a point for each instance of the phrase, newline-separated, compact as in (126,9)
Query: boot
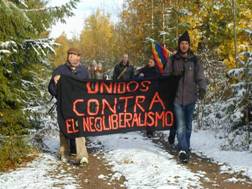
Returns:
(183,156)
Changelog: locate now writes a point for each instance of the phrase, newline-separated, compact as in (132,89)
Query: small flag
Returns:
(160,55)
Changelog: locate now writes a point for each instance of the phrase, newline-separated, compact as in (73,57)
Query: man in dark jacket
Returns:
(71,68)
(148,71)
(192,85)
(123,70)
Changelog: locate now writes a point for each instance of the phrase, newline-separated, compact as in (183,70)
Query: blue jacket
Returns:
(80,72)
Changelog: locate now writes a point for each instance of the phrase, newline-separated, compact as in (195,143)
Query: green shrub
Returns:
(13,151)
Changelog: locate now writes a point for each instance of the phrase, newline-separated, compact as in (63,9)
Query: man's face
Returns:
(125,58)
(99,67)
(184,46)
(151,63)
(93,67)
(74,60)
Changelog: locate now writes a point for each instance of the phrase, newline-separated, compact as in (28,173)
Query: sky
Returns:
(85,8)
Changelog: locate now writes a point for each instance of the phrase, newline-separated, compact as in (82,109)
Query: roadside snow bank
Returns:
(208,143)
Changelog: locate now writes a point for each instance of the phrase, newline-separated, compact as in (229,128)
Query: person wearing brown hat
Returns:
(73,50)
(192,82)
(72,68)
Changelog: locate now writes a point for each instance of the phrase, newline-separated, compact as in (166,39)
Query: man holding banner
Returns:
(124,70)
(149,71)
(74,69)
(192,81)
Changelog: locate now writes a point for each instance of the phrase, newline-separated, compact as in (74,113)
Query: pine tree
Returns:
(24,46)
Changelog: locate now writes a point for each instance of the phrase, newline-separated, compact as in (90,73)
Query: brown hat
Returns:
(74,51)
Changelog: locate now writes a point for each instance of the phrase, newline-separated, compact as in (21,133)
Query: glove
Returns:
(202,93)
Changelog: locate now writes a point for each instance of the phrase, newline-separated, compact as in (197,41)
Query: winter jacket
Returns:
(148,72)
(128,74)
(192,77)
(80,72)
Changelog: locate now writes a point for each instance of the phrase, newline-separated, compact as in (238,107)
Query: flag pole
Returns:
(163,4)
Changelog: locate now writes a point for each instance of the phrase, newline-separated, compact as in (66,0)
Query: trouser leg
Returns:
(81,149)
(181,127)
(189,109)
(172,133)
(64,146)
(72,146)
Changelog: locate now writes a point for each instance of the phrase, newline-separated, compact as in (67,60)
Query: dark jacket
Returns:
(148,72)
(80,72)
(192,77)
(128,74)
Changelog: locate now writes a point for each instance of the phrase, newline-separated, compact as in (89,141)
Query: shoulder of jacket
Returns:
(83,67)
(195,59)
(60,67)
(118,65)
(176,57)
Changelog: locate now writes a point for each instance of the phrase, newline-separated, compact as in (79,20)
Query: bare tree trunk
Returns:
(235,32)
(152,16)
(177,10)
(247,102)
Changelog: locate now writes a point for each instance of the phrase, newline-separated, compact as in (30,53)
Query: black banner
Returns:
(95,107)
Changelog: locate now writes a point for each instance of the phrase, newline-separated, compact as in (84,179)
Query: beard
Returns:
(185,52)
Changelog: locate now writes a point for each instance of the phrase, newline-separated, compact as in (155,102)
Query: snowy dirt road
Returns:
(128,160)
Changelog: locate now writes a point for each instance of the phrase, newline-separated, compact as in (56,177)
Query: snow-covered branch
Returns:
(40,45)
(7,47)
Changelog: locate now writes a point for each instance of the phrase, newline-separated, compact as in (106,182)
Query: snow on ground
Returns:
(206,143)
(144,164)
(209,143)
(39,173)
